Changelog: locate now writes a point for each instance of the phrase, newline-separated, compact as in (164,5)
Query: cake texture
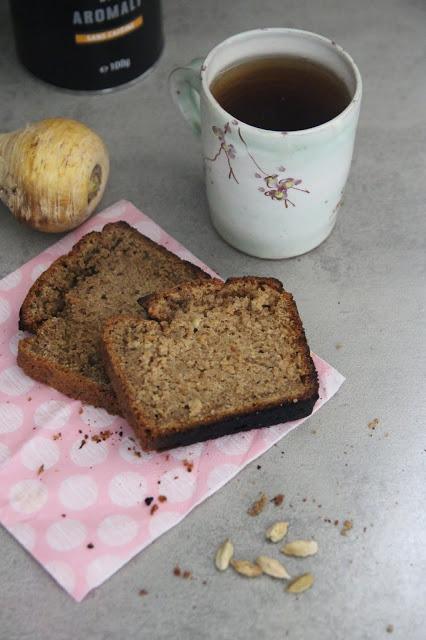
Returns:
(106,273)
(210,359)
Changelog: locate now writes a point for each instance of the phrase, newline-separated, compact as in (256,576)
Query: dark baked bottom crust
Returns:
(262,418)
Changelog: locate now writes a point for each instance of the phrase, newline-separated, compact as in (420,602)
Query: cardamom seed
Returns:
(224,555)
(246,568)
(273,567)
(277,531)
(300,548)
(301,583)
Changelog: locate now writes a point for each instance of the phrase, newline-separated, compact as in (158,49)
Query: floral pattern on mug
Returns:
(276,186)
(227,148)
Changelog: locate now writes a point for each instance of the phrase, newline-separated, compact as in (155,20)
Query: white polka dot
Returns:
(14,382)
(62,572)
(131,452)
(148,229)
(96,418)
(39,451)
(28,496)
(24,533)
(127,489)
(4,310)
(78,492)
(220,475)
(117,530)
(52,415)
(191,452)
(235,445)
(161,522)
(38,270)
(11,281)
(4,453)
(13,342)
(177,484)
(90,454)
(112,214)
(66,534)
(11,417)
(101,569)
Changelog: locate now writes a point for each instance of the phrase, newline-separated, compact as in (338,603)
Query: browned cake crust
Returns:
(47,296)
(104,274)
(297,401)
(71,383)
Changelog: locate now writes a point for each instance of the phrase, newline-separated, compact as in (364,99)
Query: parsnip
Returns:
(53,173)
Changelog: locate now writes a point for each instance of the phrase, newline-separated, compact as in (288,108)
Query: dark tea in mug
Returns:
(281,93)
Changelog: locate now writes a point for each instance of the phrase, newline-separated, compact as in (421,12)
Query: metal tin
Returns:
(88,45)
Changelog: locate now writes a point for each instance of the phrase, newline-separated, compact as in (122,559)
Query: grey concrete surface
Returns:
(363,288)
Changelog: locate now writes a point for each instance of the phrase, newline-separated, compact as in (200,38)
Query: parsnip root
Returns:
(53,173)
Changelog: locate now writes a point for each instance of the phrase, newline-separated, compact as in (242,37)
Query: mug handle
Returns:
(185,87)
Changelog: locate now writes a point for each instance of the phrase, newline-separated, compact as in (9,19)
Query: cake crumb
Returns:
(83,442)
(258,506)
(57,436)
(187,575)
(90,545)
(149,500)
(177,571)
(162,498)
(373,424)
(347,526)
(278,499)
(102,436)
(80,411)
(40,470)
(188,465)
(390,628)
(143,592)
(338,345)
(154,508)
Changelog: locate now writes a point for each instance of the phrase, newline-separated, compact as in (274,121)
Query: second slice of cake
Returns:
(213,358)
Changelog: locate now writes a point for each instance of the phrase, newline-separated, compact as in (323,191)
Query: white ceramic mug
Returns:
(271,194)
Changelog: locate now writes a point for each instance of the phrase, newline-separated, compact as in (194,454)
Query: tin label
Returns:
(111,34)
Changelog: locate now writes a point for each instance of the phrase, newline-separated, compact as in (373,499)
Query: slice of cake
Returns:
(212,359)
(105,274)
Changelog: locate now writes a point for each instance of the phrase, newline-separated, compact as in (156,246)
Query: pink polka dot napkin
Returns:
(75,489)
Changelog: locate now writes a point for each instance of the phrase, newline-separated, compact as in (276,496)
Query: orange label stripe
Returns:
(102,36)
